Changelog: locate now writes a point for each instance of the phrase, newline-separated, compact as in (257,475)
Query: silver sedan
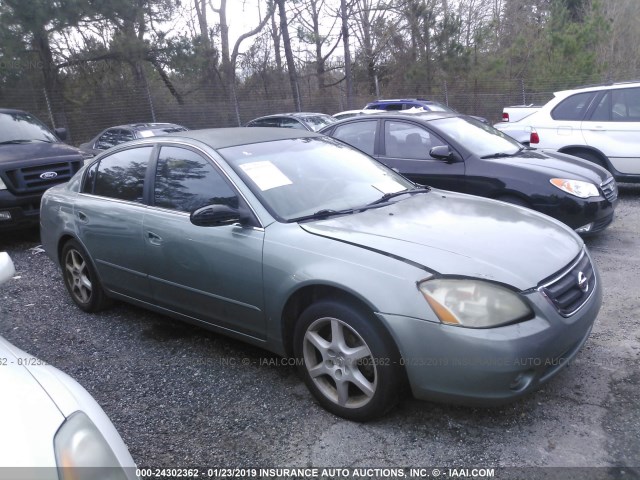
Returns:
(311,249)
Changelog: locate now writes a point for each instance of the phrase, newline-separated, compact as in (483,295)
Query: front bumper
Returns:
(18,212)
(576,213)
(485,367)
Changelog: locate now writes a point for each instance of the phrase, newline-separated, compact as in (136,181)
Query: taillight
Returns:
(534,137)
(505,117)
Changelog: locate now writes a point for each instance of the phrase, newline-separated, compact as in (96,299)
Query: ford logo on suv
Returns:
(48,175)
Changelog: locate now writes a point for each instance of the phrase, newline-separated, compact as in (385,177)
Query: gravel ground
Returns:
(181,396)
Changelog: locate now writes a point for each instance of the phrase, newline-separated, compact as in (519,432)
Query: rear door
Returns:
(613,127)
(109,220)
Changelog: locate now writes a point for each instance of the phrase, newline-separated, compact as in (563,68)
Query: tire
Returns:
(81,279)
(347,360)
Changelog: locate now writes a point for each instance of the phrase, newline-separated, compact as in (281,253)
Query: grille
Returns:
(29,180)
(610,189)
(571,288)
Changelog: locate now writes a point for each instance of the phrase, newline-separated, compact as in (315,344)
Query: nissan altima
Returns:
(309,248)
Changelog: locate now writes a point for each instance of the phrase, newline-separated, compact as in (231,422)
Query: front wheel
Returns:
(349,361)
(81,279)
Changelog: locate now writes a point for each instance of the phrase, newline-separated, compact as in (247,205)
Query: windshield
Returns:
(317,122)
(298,177)
(21,126)
(477,137)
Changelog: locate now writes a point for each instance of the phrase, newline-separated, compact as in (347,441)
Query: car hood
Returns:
(37,152)
(557,165)
(457,234)
(26,412)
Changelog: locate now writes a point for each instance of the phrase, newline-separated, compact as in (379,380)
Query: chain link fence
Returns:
(91,110)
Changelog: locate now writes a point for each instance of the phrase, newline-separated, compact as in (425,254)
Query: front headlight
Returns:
(576,187)
(2,185)
(83,453)
(473,303)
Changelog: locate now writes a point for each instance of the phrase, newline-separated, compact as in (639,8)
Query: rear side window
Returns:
(359,134)
(625,105)
(265,122)
(574,107)
(186,181)
(122,174)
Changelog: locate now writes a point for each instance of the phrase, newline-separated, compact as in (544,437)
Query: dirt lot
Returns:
(181,396)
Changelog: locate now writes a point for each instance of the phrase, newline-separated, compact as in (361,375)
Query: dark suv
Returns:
(32,159)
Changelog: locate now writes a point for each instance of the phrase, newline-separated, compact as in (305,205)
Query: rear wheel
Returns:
(349,362)
(81,279)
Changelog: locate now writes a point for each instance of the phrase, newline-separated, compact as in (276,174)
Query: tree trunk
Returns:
(291,66)
(344,14)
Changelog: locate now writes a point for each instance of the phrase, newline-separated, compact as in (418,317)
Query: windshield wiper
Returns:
(504,154)
(18,141)
(320,214)
(388,196)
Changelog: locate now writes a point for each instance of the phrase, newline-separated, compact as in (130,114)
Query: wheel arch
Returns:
(575,150)
(306,295)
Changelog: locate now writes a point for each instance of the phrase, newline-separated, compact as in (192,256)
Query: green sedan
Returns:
(309,248)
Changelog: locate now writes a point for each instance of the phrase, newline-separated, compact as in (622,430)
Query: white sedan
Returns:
(48,420)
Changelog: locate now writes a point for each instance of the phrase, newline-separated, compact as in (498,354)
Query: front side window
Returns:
(361,134)
(574,107)
(186,181)
(406,140)
(122,174)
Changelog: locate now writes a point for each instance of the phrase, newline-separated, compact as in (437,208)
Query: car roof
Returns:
(291,114)
(11,110)
(597,87)
(421,115)
(396,100)
(144,126)
(217,138)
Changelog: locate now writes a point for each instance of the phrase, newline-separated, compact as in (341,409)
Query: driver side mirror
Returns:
(215,216)
(61,133)
(443,152)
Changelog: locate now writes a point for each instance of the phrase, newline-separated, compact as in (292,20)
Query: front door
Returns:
(213,274)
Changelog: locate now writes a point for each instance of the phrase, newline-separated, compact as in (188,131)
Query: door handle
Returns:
(82,217)
(154,239)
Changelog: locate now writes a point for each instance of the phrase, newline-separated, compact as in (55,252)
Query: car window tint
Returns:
(359,134)
(291,123)
(126,136)
(406,140)
(108,139)
(625,105)
(186,181)
(602,112)
(265,122)
(89,179)
(574,107)
(121,175)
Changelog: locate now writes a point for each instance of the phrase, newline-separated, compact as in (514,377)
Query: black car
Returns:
(301,120)
(456,152)
(113,136)
(32,159)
